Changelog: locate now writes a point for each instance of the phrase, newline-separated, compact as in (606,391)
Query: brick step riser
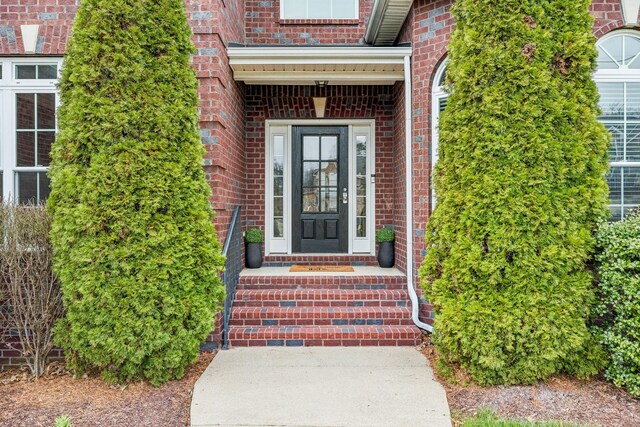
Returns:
(322,322)
(326,286)
(331,335)
(316,294)
(324,343)
(320,303)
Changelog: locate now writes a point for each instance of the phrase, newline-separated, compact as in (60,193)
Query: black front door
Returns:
(320,183)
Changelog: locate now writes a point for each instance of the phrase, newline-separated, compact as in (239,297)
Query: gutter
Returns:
(415,304)
(375,21)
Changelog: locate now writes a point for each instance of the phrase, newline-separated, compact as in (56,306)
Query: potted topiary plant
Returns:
(253,248)
(386,251)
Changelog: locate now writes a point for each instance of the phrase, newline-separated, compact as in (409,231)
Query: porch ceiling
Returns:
(306,65)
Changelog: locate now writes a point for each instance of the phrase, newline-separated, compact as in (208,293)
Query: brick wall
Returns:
(215,24)
(399,163)
(295,102)
(264,26)
(428,30)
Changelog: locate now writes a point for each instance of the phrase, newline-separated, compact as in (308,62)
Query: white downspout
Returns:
(408,133)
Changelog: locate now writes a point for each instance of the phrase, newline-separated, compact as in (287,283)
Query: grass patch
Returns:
(487,418)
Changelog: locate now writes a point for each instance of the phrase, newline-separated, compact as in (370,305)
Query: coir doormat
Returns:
(321,268)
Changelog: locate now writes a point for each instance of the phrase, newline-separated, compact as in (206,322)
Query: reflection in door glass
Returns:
(311,200)
(278,185)
(361,186)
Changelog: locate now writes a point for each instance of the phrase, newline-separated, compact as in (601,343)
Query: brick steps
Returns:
(321,316)
(325,336)
(322,282)
(276,308)
(320,298)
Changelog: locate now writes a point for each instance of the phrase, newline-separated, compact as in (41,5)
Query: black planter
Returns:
(386,254)
(253,255)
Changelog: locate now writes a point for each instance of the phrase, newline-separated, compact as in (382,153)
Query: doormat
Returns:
(321,268)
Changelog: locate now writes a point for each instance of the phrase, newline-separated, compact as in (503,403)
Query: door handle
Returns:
(345,196)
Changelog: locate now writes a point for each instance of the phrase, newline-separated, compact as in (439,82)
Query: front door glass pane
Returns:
(319,176)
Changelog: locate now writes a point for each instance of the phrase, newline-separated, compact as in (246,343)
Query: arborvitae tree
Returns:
(135,248)
(520,189)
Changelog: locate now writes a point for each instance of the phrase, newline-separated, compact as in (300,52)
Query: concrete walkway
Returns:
(319,386)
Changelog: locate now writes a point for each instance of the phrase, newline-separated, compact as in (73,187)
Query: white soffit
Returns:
(308,65)
(387,17)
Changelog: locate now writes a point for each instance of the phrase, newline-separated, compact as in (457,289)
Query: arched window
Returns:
(439,96)
(618,80)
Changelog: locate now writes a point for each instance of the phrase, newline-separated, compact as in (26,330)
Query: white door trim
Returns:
(283,129)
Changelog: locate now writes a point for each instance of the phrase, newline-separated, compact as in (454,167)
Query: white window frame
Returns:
(619,75)
(438,93)
(357,127)
(283,15)
(9,87)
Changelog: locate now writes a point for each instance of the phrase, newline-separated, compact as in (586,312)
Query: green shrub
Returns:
(253,235)
(135,248)
(619,289)
(520,186)
(385,235)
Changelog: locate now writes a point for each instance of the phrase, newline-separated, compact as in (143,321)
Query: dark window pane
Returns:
(329,174)
(329,148)
(616,149)
(278,203)
(361,206)
(361,147)
(361,227)
(330,200)
(25,71)
(616,213)
(631,186)
(310,174)
(25,148)
(278,227)
(442,104)
(278,186)
(25,110)
(615,185)
(361,186)
(612,100)
(361,165)
(310,199)
(45,187)
(47,72)
(27,187)
(45,139)
(633,101)
(0,71)
(633,142)
(46,111)
(311,148)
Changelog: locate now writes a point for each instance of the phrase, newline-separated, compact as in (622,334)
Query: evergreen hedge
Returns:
(619,291)
(135,249)
(520,188)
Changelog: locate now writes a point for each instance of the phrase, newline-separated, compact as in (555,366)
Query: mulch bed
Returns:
(561,398)
(90,401)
